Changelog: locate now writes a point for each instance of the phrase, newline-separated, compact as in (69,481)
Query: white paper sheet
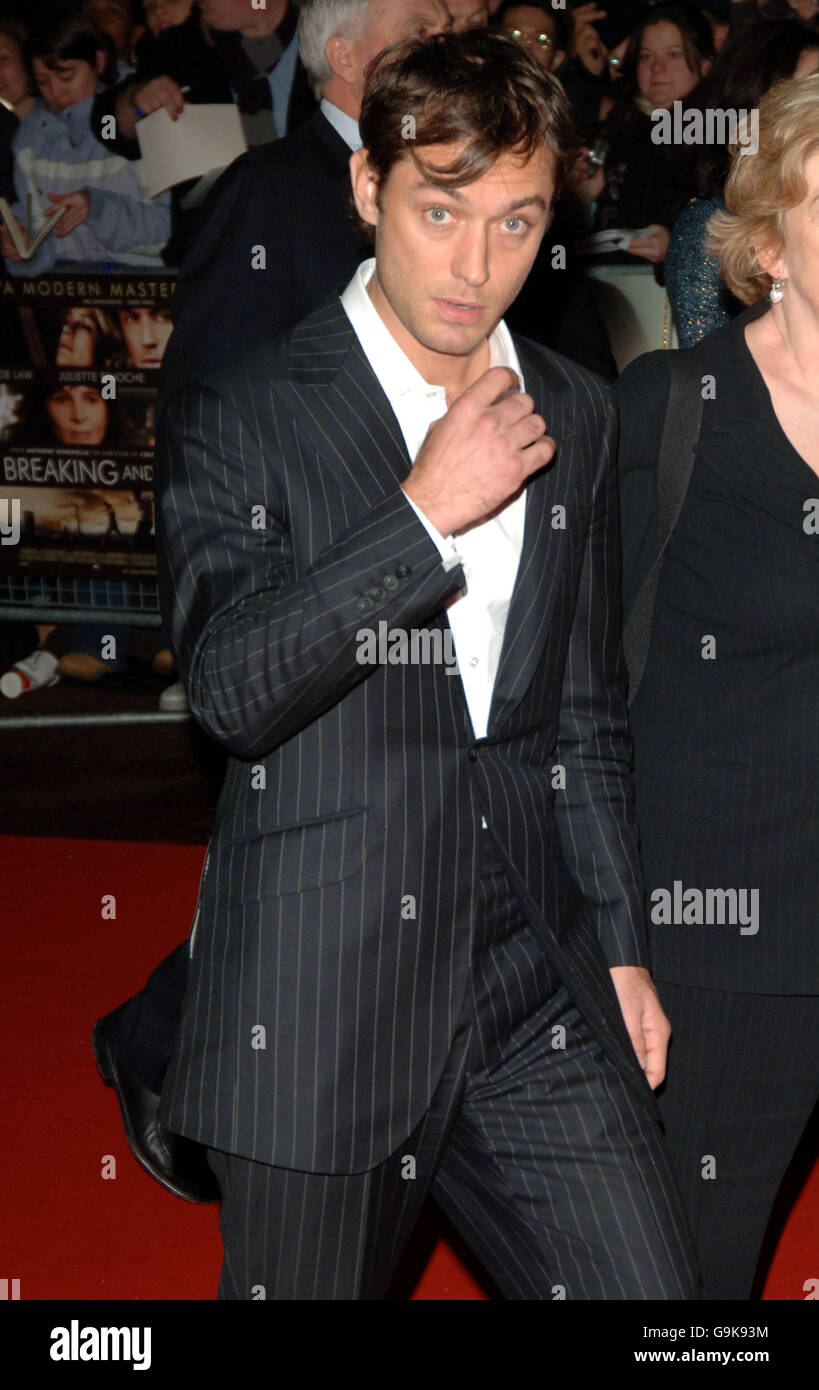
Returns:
(202,139)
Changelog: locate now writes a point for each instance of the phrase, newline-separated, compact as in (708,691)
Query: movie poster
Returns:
(79,360)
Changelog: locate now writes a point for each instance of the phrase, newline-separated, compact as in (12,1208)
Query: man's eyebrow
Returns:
(531,200)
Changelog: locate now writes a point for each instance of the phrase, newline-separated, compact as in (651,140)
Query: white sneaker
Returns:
(30,673)
(174,698)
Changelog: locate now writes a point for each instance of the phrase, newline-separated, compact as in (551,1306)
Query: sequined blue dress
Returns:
(699,300)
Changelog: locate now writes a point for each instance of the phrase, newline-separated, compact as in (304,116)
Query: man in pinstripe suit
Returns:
(417,963)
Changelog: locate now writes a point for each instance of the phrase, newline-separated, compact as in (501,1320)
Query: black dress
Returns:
(726,737)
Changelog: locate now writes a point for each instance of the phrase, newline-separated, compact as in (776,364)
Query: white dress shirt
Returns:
(346,126)
(490,552)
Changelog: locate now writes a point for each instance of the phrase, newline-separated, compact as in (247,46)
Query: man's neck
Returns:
(266,21)
(342,95)
(454,372)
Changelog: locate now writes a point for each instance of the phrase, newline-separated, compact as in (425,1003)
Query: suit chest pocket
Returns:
(296,858)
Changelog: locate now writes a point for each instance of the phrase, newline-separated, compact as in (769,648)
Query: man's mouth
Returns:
(459,310)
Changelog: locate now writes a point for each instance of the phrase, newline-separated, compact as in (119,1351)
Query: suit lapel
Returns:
(543,555)
(332,391)
(334,394)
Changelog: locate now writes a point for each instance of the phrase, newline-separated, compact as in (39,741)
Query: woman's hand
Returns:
(653,246)
(78,210)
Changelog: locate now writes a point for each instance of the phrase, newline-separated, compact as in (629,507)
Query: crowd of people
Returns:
(725,748)
(80,63)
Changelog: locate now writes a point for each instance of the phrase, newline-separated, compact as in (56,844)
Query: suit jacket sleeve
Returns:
(642,396)
(595,814)
(265,650)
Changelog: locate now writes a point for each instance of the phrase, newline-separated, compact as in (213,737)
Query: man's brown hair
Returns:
(477,89)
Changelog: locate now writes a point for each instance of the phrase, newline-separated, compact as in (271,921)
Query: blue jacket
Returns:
(55,152)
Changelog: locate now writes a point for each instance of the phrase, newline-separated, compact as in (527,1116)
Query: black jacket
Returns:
(375,783)
(183,53)
(289,197)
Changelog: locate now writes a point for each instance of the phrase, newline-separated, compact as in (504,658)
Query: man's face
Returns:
(114,18)
(467,14)
(450,262)
(228,15)
(78,339)
(389,21)
(166,14)
(535,28)
(146,333)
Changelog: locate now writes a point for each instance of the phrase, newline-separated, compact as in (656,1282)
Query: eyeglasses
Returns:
(542,40)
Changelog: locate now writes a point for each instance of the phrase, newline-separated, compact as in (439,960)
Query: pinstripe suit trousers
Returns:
(552,1171)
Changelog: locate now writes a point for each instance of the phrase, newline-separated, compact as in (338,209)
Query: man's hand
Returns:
(160,91)
(586,180)
(77,210)
(585,43)
(647,1025)
(479,455)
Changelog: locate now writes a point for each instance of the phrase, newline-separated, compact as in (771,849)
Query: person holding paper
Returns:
(108,218)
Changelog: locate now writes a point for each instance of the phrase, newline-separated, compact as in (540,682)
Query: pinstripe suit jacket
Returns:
(338,896)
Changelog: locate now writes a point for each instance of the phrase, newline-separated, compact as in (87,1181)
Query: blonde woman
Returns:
(726,717)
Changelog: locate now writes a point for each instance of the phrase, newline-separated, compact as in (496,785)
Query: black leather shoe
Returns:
(178,1164)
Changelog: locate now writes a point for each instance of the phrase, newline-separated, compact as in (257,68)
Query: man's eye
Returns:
(437,215)
(515,224)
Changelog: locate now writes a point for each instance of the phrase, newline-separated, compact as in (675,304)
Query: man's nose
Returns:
(471,260)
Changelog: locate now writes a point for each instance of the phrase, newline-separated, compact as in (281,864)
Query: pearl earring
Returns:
(777,291)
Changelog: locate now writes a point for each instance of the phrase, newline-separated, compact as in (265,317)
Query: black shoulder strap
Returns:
(674,464)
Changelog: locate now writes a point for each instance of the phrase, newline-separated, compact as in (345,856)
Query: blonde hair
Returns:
(763,186)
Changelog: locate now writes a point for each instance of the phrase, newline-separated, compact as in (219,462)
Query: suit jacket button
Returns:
(473,755)
(389,581)
(364,605)
(376,591)
(403,571)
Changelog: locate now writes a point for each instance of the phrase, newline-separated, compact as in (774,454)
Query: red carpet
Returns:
(69,1233)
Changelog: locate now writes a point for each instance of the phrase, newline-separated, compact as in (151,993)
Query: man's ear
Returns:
(101,61)
(365,187)
(341,58)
